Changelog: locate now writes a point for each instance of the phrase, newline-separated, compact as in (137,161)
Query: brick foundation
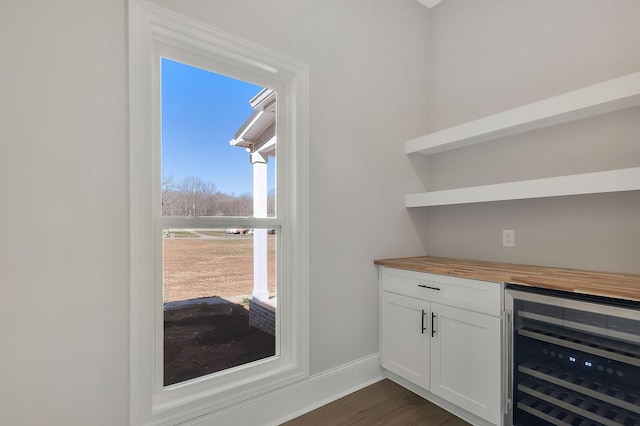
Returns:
(262,316)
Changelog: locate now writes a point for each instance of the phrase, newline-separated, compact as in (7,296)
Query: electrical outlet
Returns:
(508,238)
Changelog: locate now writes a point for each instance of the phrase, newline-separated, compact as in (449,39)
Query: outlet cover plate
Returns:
(508,238)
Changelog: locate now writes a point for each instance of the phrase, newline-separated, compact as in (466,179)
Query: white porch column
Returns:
(260,290)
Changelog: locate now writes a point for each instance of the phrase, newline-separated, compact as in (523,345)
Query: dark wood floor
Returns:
(382,404)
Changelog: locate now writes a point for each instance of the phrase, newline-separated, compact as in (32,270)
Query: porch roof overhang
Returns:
(257,133)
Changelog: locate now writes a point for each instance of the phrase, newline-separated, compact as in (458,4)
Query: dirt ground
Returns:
(207,338)
(218,266)
(203,339)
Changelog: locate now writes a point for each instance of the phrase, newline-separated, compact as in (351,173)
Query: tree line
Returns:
(195,197)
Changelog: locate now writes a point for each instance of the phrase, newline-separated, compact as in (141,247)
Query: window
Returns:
(220,281)
(270,220)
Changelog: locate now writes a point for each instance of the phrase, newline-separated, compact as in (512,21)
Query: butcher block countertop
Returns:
(619,286)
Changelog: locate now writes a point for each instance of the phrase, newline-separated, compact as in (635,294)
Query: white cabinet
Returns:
(465,360)
(443,334)
(404,338)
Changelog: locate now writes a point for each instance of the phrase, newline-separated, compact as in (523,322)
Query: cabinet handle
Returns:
(433,327)
(423,328)
(429,287)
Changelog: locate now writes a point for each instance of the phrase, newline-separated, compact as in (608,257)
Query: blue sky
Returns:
(201,111)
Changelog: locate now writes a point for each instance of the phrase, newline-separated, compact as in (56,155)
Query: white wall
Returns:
(489,56)
(63,213)
(64,173)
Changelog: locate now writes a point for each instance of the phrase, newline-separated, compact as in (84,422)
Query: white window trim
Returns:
(155,31)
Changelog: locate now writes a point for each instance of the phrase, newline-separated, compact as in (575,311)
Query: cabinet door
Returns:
(404,337)
(465,360)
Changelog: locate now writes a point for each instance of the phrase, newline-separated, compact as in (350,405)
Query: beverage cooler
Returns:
(572,359)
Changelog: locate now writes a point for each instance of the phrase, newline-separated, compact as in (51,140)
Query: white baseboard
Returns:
(288,403)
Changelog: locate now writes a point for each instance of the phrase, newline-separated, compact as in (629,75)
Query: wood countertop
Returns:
(619,286)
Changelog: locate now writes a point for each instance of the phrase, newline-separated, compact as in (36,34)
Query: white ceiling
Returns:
(429,3)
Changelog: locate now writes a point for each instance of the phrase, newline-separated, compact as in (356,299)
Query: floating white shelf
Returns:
(586,183)
(608,96)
